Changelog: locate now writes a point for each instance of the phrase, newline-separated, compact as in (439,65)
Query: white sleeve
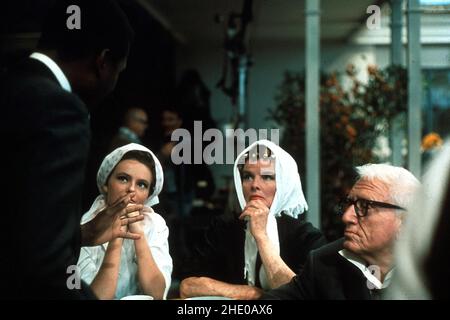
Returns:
(158,240)
(86,264)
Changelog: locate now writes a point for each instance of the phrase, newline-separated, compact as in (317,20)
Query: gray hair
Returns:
(401,183)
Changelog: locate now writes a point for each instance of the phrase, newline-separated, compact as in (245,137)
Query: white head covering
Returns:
(108,165)
(288,199)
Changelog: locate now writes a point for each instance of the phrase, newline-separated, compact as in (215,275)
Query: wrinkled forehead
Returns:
(371,189)
(261,166)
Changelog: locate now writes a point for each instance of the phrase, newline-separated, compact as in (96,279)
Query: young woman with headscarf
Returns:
(127,267)
(267,245)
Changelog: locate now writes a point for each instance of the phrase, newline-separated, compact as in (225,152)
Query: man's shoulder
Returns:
(34,78)
(330,250)
(29,69)
(30,89)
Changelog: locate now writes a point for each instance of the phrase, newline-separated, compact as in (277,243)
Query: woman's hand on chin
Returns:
(256,212)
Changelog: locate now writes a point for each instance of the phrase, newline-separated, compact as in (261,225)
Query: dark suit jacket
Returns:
(327,276)
(220,253)
(45,133)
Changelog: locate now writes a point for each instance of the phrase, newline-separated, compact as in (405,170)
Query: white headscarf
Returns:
(288,199)
(108,165)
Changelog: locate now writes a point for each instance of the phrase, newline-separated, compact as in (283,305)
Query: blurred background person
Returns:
(135,124)
(179,182)
(187,190)
(178,192)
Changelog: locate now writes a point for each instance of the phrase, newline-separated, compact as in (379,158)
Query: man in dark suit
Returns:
(360,265)
(46,134)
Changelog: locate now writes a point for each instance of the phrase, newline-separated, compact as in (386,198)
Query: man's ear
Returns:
(105,189)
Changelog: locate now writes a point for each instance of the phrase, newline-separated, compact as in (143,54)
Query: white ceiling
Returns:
(192,21)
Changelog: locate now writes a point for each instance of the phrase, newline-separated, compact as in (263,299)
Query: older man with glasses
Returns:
(360,265)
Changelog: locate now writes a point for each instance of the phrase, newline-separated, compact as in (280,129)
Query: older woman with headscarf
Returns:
(127,267)
(267,245)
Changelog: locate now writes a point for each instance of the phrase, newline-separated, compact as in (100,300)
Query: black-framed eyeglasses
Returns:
(362,206)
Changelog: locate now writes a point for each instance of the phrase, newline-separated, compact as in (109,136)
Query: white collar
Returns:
(54,68)
(369,272)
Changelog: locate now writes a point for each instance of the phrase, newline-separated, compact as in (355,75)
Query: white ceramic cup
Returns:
(138,297)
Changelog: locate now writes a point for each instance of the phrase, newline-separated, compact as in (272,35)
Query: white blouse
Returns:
(157,234)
